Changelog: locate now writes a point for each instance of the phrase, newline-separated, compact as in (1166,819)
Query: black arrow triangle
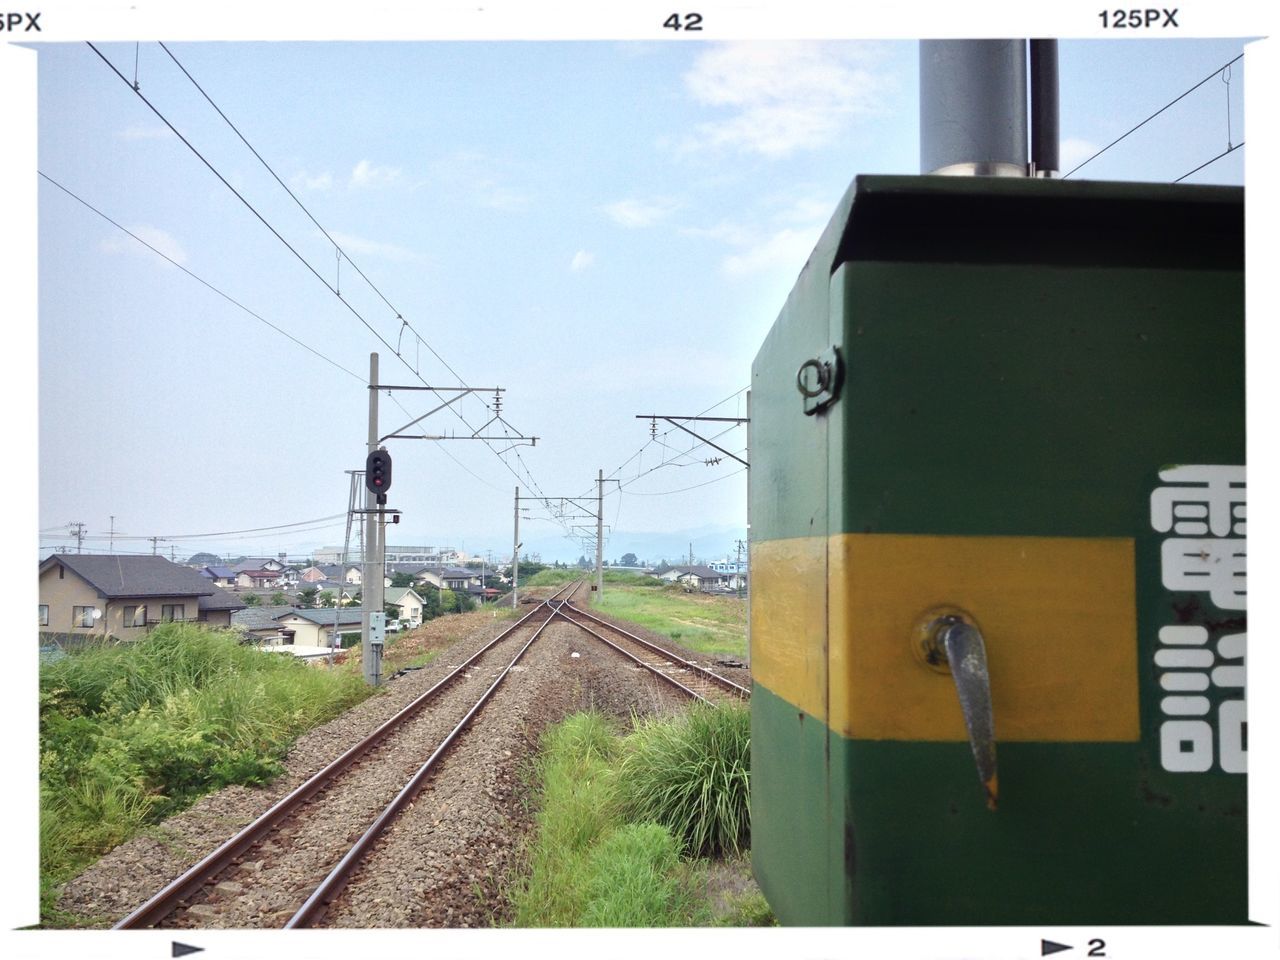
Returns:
(1048,946)
(182,949)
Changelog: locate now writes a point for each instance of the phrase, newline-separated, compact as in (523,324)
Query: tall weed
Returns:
(132,733)
(691,774)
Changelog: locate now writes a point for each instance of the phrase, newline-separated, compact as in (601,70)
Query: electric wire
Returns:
(304,261)
(312,218)
(230,299)
(1207,162)
(1153,116)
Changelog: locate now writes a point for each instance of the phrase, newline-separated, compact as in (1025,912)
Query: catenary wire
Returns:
(1152,117)
(529,477)
(1207,162)
(200,279)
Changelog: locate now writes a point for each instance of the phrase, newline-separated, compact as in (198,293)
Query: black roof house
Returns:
(114,575)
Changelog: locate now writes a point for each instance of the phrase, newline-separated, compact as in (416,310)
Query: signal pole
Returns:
(371,568)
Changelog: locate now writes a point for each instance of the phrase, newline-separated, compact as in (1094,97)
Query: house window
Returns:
(82,616)
(135,616)
(172,611)
(44,614)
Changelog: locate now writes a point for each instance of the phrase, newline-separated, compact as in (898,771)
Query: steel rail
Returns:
(629,655)
(323,896)
(167,899)
(724,682)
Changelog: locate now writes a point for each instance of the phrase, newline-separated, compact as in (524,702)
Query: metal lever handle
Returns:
(960,642)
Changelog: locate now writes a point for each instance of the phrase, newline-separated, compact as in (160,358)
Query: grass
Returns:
(132,733)
(690,774)
(610,847)
(697,621)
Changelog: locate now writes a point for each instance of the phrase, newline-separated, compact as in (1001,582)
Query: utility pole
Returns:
(515,551)
(112,542)
(599,534)
(154,541)
(77,528)
(371,569)
(600,482)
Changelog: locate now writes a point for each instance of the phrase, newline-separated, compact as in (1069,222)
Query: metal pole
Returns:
(368,562)
(377,600)
(749,576)
(599,535)
(1044,107)
(973,107)
(515,552)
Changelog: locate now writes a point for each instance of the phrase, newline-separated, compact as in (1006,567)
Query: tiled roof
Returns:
(324,615)
(221,600)
(396,594)
(261,617)
(114,575)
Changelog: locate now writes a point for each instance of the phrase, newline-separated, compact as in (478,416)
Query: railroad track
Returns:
(695,679)
(306,844)
(289,867)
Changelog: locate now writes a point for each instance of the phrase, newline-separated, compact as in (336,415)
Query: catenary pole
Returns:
(599,535)
(371,546)
(515,552)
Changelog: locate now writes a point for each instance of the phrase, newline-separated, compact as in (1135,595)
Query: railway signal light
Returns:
(377,471)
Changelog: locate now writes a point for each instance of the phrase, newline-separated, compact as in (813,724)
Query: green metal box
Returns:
(1022,402)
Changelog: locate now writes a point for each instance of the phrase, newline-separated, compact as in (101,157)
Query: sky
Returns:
(603,229)
(603,222)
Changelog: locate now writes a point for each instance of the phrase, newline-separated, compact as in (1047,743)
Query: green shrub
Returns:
(134,732)
(690,774)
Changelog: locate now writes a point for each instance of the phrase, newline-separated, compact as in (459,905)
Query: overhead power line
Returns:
(1153,116)
(528,478)
(230,299)
(1207,162)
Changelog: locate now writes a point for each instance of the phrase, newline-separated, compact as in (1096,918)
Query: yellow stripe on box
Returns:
(1058,615)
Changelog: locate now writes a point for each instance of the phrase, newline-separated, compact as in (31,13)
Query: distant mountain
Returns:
(709,543)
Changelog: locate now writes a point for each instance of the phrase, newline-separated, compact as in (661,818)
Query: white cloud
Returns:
(478,178)
(785,248)
(1073,151)
(306,181)
(639,213)
(367,174)
(157,238)
(784,97)
(581,260)
(373,248)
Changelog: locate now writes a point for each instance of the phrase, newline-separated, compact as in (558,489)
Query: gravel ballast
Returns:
(444,860)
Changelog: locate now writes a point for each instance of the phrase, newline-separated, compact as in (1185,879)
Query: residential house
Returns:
(698,577)
(311,575)
(314,628)
(259,623)
(259,563)
(258,579)
(221,576)
(124,597)
(342,591)
(449,578)
(407,601)
(351,573)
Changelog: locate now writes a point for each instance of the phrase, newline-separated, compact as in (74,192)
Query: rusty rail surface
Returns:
(331,887)
(708,676)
